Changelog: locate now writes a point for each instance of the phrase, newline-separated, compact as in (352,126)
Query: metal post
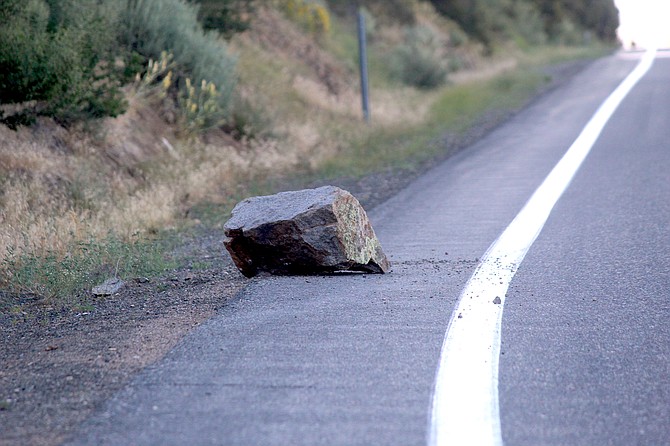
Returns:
(363,60)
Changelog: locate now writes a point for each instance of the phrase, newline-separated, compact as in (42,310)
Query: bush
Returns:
(200,107)
(314,17)
(151,27)
(485,20)
(527,26)
(226,16)
(564,17)
(531,21)
(386,11)
(58,54)
(567,33)
(418,62)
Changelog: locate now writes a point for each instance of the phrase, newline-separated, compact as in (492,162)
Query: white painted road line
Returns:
(465,400)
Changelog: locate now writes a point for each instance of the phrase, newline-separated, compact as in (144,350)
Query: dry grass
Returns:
(56,193)
(310,92)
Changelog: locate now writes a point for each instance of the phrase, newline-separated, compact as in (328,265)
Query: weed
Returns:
(83,308)
(162,287)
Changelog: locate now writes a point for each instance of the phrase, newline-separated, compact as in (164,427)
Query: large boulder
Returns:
(303,232)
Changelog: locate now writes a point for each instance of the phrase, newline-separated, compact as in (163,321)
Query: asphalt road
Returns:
(351,359)
(586,338)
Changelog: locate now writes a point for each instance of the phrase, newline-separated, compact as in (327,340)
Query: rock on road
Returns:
(351,359)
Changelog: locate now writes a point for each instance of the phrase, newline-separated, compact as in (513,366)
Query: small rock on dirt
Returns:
(108,287)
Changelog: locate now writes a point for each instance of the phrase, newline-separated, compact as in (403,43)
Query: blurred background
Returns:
(644,23)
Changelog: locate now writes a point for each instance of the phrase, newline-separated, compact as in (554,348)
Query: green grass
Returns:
(550,55)
(456,110)
(63,279)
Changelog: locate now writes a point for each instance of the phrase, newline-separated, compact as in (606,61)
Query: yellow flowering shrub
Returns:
(200,107)
(150,81)
(312,16)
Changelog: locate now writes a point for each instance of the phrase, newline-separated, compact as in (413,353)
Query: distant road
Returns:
(352,359)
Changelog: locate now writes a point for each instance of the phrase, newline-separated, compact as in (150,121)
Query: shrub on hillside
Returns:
(485,20)
(61,58)
(150,27)
(313,16)
(526,26)
(386,11)
(8,8)
(418,61)
(563,16)
(56,60)
(226,16)
(491,21)
(568,33)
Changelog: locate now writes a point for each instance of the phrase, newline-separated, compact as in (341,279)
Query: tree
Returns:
(57,55)
(599,16)
(493,20)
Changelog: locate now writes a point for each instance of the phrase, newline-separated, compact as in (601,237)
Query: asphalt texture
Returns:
(351,358)
(586,339)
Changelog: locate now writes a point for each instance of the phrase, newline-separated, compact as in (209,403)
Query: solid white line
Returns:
(465,400)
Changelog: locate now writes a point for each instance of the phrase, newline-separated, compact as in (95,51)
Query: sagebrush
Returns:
(150,27)
(419,61)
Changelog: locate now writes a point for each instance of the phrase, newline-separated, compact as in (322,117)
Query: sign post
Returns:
(363,61)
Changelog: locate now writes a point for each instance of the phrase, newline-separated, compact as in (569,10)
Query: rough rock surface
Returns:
(303,232)
(109,287)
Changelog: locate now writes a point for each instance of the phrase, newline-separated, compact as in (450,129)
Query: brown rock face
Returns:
(303,232)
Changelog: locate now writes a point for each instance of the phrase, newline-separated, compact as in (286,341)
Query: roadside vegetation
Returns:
(125,122)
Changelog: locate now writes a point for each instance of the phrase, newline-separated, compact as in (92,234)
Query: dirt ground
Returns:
(56,368)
